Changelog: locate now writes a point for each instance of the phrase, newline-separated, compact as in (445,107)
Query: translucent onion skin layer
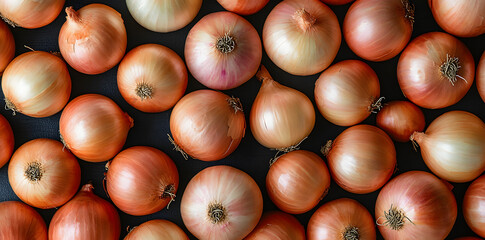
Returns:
(7,46)
(21,222)
(462,18)
(400,119)
(481,76)
(473,203)
(7,141)
(31,13)
(157,229)
(277,225)
(243,7)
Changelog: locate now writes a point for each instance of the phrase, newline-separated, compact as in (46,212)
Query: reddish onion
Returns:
(415,205)
(86,216)
(152,78)
(30,13)
(297,181)
(94,128)
(481,76)
(301,37)
(361,159)
(21,222)
(157,229)
(6,141)
(43,175)
(400,119)
(221,202)
(223,50)
(435,70)
(7,46)
(463,18)
(336,2)
(347,92)
(277,225)
(243,7)
(141,180)
(207,125)
(93,39)
(453,146)
(344,219)
(473,203)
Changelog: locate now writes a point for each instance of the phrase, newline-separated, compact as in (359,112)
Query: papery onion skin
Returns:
(7,46)
(302,37)
(21,222)
(423,199)
(277,225)
(346,91)
(400,119)
(336,2)
(30,13)
(361,159)
(43,174)
(243,7)
(93,39)
(419,70)
(223,50)
(378,30)
(86,216)
(163,15)
(297,181)
(207,125)
(7,141)
(94,128)
(221,188)
(473,203)
(36,84)
(481,76)
(157,229)
(462,18)
(152,78)
(339,219)
(142,180)
(453,146)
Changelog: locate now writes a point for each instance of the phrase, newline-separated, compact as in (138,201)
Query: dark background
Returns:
(250,156)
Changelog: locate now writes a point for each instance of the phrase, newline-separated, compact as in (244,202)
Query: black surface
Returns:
(251,157)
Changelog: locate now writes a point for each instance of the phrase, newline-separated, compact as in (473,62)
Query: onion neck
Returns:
(304,20)
(9,105)
(226,44)
(376,106)
(87,188)
(235,104)
(72,15)
(144,91)
(408,11)
(449,69)
(263,75)
(325,150)
(217,213)
(34,172)
(351,233)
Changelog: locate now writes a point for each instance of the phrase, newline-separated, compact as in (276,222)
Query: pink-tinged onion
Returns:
(243,7)
(21,222)
(7,141)
(7,46)
(336,2)
(223,50)
(400,119)
(157,229)
(30,13)
(473,203)
(277,225)
(481,76)
(462,18)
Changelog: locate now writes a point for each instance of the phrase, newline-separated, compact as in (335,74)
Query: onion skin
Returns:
(481,77)
(157,229)
(7,141)
(420,65)
(400,119)
(462,18)
(473,203)
(336,2)
(21,222)
(243,7)
(30,13)
(156,69)
(140,180)
(421,197)
(452,146)
(339,217)
(297,181)
(277,225)
(7,46)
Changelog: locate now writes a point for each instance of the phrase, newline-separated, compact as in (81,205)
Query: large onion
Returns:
(6,141)
(277,225)
(481,76)
(30,13)
(157,229)
(7,46)
(21,222)
(243,7)
(400,119)
(473,203)
(463,18)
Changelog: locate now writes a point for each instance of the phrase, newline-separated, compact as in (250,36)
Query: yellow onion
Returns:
(481,76)
(277,225)
(243,7)
(400,119)
(157,229)
(7,46)
(462,18)
(30,13)
(473,203)
(21,222)
(6,141)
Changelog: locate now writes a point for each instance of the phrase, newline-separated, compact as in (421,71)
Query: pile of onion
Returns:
(462,18)
(473,203)
(481,76)
(157,229)
(6,141)
(400,119)
(7,46)
(21,222)
(30,13)
(277,225)
(243,7)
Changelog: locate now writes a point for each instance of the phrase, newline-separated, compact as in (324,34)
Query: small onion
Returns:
(302,37)
(157,229)
(435,70)
(481,76)
(400,119)
(21,222)
(221,202)
(36,84)
(361,159)
(6,141)
(152,78)
(336,2)
(223,50)
(277,225)
(163,15)
(7,46)
(43,174)
(344,219)
(94,128)
(243,7)
(297,181)
(347,92)
(93,39)
(453,146)
(415,205)
(462,18)
(30,13)
(473,203)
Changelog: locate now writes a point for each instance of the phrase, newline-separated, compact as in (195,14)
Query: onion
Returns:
(277,225)
(43,175)
(281,117)
(163,15)
(94,128)
(243,7)
(86,216)
(435,70)
(344,219)
(30,13)
(142,180)
(378,30)
(336,2)
(468,238)
(221,202)
(453,146)
(6,141)
(157,229)
(415,205)
(473,203)
(297,181)
(301,37)
(152,78)
(7,46)
(400,119)
(93,39)
(207,125)
(36,84)
(223,50)
(462,18)
(347,92)
(21,222)
(481,76)
(361,159)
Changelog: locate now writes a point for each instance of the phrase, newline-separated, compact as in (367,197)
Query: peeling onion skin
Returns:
(481,77)
(473,203)
(277,225)
(462,18)
(243,7)
(453,146)
(400,119)
(7,46)
(21,222)
(157,229)
(31,13)
(7,141)
(336,2)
